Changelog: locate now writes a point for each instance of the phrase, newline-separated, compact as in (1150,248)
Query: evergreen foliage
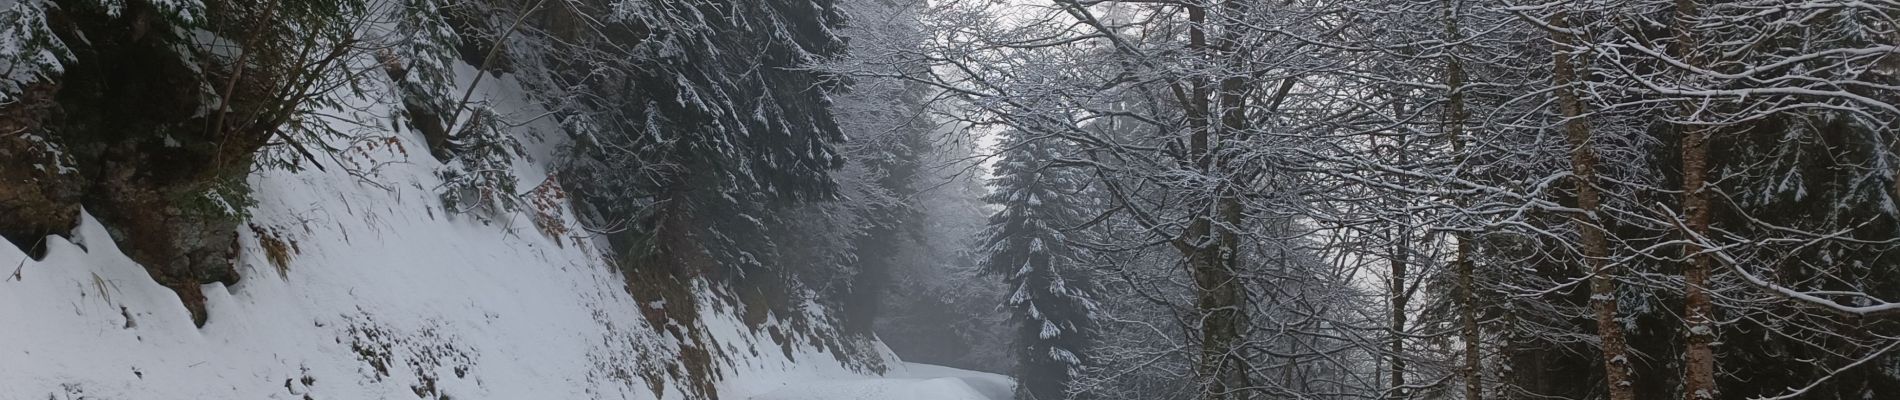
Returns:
(1027,244)
(712,110)
(481,178)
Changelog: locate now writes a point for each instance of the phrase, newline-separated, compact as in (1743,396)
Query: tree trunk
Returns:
(1220,300)
(1400,256)
(1698,381)
(1455,117)
(1468,323)
(1210,242)
(1698,357)
(1583,163)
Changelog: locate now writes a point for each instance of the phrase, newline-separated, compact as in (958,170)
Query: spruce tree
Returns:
(1025,244)
(707,128)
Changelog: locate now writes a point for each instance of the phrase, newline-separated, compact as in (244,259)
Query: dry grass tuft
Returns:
(276,249)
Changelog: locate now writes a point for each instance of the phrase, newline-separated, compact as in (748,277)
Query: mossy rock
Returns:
(40,186)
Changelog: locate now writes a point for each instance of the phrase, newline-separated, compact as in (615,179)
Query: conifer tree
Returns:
(1025,244)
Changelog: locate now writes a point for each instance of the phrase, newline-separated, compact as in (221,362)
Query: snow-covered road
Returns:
(915,382)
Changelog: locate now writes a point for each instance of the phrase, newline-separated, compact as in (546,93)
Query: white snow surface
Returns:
(910,382)
(386,296)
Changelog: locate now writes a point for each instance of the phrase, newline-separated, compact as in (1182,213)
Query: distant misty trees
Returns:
(1444,199)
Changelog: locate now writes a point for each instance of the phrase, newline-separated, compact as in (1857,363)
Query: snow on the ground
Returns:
(995,386)
(911,382)
(384,296)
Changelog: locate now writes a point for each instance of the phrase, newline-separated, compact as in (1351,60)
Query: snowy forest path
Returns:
(915,382)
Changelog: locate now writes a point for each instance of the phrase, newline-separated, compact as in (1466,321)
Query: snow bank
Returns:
(368,290)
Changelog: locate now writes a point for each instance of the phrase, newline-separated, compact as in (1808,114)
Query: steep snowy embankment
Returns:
(358,285)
